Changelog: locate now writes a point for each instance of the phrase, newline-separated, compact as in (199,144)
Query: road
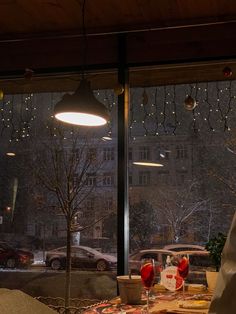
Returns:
(44,269)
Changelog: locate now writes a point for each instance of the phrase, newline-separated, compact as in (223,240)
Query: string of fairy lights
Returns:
(177,109)
(17,114)
(154,111)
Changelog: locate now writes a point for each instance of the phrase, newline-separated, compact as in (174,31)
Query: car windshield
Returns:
(61,249)
(178,249)
(134,255)
(90,250)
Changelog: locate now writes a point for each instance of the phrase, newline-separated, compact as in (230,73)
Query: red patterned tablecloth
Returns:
(159,303)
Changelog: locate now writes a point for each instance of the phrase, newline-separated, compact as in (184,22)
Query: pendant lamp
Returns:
(82,107)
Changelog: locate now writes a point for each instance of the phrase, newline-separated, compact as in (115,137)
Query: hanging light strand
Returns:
(155,105)
(14,121)
(215,111)
(228,107)
(110,102)
(195,113)
(131,116)
(222,117)
(146,114)
(207,101)
(174,110)
(164,110)
(3,122)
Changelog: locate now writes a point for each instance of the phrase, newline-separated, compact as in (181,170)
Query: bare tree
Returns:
(219,180)
(143,224)
(208,221)
(65,164)
(177,208)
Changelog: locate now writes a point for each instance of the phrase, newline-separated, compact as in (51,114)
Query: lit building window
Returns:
(181,151)
(144,177)
(109,204)
(92,154)
(108,153)
(130,154)
(108,179)
(144,153)
(130,179)
(89,209)
(91,179)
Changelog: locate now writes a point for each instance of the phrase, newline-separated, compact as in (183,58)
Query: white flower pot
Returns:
(130,289)
(211,277)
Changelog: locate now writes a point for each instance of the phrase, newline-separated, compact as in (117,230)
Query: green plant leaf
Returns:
(215,247)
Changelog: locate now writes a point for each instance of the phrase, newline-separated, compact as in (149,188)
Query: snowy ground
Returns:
(45,282)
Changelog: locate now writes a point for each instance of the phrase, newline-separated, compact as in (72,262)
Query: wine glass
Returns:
(183,269)
(147,272)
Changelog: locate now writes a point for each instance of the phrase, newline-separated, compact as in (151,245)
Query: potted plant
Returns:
(215,247)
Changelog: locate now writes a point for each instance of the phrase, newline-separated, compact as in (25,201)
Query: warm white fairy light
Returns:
(158,105)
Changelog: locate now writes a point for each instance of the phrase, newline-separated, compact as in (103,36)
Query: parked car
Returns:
(81,257)
(199,261)
(11,257)
(184,247)
(159,256)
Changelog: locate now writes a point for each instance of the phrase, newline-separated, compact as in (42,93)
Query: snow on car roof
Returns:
(89,249)
(156,251)
(189,252)
(183,245)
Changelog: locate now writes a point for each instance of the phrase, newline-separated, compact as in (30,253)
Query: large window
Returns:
(187,194)
(188,197)
(48,169)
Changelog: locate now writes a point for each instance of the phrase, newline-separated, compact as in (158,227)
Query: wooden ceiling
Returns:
(168,41)
(27,18)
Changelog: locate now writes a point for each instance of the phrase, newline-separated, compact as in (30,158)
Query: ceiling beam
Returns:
(195,43)
(156,49)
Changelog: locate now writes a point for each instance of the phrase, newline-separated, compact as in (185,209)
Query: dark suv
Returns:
(11,257)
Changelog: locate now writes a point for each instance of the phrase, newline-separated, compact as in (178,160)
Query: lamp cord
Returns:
(85,43)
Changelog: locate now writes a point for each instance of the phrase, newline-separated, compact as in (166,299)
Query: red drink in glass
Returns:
(147,274)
